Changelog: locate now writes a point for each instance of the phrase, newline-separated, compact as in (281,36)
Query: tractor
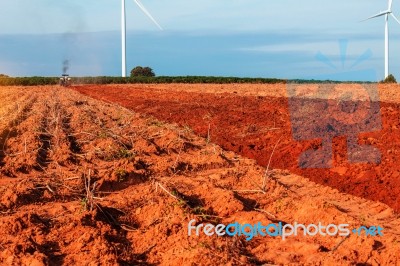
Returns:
(65,80)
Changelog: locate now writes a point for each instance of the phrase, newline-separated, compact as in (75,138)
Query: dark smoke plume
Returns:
(65,66)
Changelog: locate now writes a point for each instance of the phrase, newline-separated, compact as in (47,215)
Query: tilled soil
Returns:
(85,182)
(251,119)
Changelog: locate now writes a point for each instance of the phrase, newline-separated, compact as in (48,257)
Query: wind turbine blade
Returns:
(390,5)
(141,6)
(395,18)
(378,15)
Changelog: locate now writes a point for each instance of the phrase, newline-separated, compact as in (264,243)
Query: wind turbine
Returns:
(123,30)
(386,14)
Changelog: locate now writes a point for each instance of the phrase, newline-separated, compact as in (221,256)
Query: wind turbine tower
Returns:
(386,14)
(123,30)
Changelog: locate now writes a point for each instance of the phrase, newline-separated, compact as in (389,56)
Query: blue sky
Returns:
(248,38)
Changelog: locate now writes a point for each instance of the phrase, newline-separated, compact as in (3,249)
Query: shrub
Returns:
(389,79)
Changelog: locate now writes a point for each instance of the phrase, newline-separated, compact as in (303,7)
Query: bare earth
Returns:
(89,182)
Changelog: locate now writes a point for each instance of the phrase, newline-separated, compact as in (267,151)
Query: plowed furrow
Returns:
(11,130)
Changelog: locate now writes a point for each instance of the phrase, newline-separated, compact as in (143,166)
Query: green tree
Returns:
(389,79)
(142,72)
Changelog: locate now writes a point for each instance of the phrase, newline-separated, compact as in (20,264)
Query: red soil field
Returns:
(250,119)
(89,182)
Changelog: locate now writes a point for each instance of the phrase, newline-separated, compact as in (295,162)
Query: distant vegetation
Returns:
(27,81)
(35,81)
(165,79)
(142,72)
